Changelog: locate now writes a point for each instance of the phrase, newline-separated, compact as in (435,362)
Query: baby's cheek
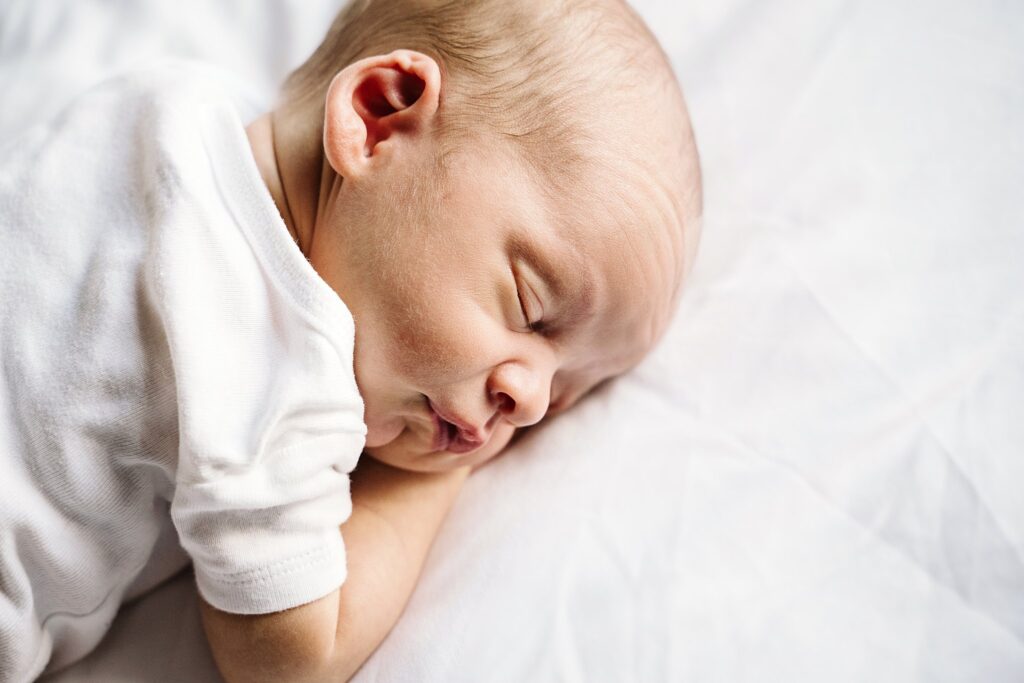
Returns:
(419,353)
(431,350)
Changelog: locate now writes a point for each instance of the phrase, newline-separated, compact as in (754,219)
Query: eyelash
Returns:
(537,326)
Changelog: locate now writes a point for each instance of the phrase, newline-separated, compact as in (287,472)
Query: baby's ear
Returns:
(374,103)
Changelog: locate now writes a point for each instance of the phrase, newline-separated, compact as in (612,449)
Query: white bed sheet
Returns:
(818,476)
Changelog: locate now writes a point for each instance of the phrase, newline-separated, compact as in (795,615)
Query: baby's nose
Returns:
(521,396)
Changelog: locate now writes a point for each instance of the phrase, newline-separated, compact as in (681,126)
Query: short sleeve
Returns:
(266,537)
(269,415)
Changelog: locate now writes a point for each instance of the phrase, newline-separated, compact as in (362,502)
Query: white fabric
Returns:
(167,352)
(817,475)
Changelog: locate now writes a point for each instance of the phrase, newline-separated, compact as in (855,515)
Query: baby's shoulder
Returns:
(178,86)
(156,92)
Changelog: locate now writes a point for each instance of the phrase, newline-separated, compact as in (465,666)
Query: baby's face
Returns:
(487,308)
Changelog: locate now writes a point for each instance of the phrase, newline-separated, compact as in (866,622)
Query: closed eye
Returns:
(532,321)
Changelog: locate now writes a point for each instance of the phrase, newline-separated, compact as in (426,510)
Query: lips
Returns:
(453,435)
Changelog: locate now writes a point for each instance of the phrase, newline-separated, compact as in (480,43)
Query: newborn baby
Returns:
(461,217)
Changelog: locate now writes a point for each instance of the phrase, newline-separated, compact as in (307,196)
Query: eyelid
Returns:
(538,316)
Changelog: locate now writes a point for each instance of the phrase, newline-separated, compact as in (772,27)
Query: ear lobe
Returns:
(375,104)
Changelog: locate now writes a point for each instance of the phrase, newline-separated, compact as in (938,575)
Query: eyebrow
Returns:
(575,294)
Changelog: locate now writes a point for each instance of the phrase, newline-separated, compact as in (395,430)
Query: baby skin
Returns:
(483,299)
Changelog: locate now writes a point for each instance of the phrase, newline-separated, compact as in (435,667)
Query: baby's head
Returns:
(505,194)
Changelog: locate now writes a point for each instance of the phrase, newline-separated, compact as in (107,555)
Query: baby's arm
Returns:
(395,517)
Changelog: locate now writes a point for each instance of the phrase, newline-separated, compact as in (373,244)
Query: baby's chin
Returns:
(380,433)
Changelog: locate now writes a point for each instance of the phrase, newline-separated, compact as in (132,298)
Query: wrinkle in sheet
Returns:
(943,388)
(826,496)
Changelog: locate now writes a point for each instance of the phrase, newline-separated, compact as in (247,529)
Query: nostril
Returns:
(506,404)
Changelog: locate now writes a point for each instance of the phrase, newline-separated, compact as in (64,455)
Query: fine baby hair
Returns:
(578,86)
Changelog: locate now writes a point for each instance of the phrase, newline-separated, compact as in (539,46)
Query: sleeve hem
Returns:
(286,584)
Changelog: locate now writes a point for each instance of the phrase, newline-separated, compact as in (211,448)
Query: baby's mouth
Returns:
(444,433)
(452,437)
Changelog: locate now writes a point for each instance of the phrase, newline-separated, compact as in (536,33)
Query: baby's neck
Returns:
(291,171)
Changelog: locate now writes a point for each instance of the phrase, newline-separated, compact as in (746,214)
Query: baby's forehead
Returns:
(628,265)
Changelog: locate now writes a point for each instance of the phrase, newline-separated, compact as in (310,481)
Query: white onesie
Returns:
(172,371)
